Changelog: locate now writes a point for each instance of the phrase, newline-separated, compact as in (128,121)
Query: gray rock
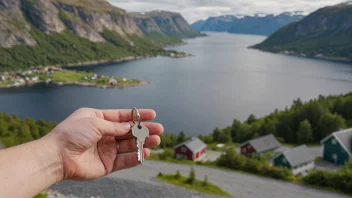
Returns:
(14,30)
(44,16)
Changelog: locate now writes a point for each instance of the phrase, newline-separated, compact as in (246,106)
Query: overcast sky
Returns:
(194,10)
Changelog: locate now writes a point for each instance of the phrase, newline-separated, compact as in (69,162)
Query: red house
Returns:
(259,145)
(192,149)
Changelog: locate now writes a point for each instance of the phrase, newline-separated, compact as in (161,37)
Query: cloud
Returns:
(194,10)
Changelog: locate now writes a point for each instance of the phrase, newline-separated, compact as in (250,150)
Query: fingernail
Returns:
(126,126)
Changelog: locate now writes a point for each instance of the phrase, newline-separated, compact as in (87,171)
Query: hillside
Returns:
(259,24)
(326,33)
(48,32)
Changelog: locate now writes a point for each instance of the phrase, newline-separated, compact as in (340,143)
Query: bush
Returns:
(340,180)
(178,174)
(167,154)
(160,174)
(259,166)
(205,182)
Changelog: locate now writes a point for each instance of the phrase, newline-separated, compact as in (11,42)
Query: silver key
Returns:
(140,132)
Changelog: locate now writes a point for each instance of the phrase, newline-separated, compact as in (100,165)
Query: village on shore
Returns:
(61,76)
(336,151)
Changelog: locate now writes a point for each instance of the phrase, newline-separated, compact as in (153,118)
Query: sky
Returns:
(193,10)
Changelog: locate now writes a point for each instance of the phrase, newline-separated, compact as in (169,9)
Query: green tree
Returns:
(181,137)
(305,132)
(216,134)
(297,103)
(328,123)
(251,119)
(192,176)
(236,129)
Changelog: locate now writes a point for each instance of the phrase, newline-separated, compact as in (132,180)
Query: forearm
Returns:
(28,169)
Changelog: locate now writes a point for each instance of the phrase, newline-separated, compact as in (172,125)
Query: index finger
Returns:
(124,115)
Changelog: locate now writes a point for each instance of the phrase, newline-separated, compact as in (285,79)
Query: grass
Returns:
(196,186)
(41,195)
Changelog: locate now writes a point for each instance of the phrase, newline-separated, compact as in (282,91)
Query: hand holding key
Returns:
(140,132)
(90,140)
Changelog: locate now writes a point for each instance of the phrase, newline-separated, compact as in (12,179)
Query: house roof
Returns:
(298,155)
(344,138)
(263,143)
(193,144)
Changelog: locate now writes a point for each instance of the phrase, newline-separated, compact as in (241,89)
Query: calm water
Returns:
(223,81)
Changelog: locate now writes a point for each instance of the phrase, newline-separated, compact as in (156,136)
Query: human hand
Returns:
(89,140)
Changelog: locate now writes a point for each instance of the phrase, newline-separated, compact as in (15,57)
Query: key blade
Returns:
(139,154)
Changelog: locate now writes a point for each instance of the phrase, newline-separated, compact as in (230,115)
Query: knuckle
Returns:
(82,110)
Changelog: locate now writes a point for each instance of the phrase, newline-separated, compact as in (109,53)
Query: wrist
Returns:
(50,159)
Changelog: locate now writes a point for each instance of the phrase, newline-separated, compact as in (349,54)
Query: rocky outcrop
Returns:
(145,23)
(169,23)
(85,18)
(117,21)
(13,28)
(81,29)
(43,15)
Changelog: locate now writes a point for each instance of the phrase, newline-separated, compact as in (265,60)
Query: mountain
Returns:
(259,24)
(47,32)
(326,33)
(198,24)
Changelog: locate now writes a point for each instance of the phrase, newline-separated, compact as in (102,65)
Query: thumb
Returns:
(111,128)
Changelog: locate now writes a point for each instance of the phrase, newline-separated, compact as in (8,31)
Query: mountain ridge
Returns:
(49,32)
(326,34)
(259,24)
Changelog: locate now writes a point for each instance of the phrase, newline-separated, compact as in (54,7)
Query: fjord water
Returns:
(224,80)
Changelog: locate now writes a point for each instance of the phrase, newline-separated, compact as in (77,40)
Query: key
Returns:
(140,132)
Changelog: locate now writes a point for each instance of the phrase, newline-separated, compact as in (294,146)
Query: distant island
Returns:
(60,76)
(67,33)
(324,34)
(258,24)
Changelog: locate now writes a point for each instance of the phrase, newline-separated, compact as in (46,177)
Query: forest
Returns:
(301,123)
(14,131)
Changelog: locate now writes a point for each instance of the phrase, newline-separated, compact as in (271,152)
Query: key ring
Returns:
(138,117)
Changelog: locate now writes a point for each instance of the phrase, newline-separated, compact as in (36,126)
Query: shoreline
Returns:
(80,84)
(125,59)
(71,67)
(302,55)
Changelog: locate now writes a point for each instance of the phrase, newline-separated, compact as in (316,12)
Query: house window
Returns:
(249,146)
(183,150)
(284,160)
(244,150)
(333,141)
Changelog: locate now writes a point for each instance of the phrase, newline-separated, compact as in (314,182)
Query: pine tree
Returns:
(192,176)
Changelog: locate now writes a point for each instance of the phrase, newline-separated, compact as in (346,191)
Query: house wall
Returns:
(303,168)
(199,153)
(281,160)
(247,149)
(182,152)
(334,152)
